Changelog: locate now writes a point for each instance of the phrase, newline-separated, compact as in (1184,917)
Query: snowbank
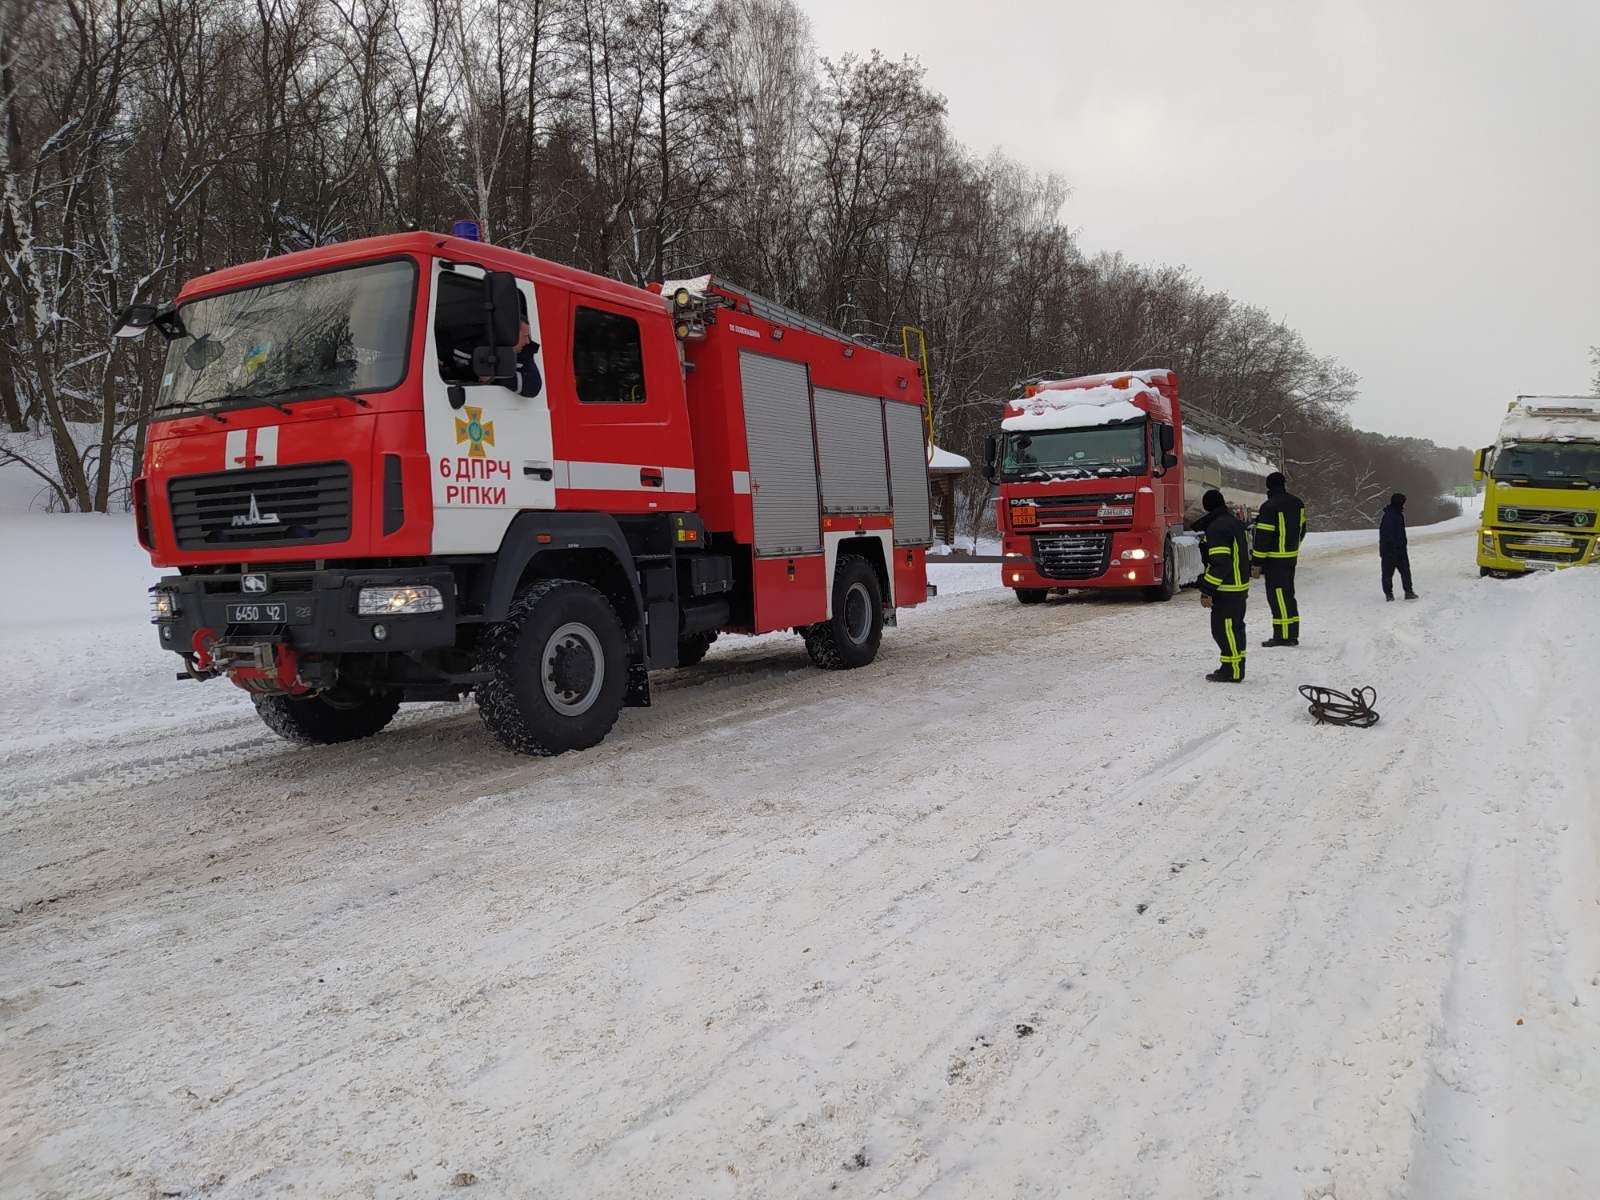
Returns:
(78,655)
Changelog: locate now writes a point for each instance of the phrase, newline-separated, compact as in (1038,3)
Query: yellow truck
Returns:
(1541,501)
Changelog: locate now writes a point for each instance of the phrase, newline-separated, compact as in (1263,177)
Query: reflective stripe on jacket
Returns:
(1226,551)
(1281,527)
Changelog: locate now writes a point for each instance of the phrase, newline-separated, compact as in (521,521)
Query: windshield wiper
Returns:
(267,397)
(259,397)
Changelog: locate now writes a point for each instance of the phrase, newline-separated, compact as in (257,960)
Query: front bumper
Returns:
(313,612)
(1522,550)
(1031,564)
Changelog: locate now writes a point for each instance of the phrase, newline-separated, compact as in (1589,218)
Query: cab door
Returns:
(622,424)
(489,444)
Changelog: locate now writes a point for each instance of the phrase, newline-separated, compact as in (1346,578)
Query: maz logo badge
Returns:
(254,516)
(254,583)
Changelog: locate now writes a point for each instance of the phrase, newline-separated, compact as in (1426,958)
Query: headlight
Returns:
(1488,542)
(163,605)
(1135,554)
(397,601)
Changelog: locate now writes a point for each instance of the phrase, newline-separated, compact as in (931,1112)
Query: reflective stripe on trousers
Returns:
(1281,599)
(1227,630)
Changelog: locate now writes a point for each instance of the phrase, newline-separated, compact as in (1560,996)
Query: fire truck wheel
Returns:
(1168,587)
(850,637)
(558,666)
(1032,595)
(693,648)
(337,716)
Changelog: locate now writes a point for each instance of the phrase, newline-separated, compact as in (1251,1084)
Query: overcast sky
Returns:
(1414,185)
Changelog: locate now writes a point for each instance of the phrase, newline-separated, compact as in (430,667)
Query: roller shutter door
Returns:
(783,472)
(850,443)
(908,474)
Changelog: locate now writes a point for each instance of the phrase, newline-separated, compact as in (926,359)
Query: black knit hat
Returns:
(1213,500)
(1276,482)
(1398,499)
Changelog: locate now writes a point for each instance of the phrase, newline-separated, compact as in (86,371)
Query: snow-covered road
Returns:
(1026,909)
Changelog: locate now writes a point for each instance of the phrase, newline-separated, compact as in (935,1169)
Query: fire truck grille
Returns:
(305,504)
(1072,555)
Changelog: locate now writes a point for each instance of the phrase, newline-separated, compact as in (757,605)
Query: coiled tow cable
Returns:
(1331,707)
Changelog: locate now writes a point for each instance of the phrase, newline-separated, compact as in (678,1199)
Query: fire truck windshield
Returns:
(1549,462)
(1074,453)
(337,332)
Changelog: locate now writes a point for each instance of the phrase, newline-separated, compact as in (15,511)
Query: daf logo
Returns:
(255,583)
(255,516)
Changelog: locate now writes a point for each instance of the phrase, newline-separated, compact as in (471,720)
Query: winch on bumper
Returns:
(282,631)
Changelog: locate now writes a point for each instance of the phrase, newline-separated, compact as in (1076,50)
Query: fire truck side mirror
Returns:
(990,449)
(134,320)
(1477,465)
(1169,459)
(1169,441)
(504,315)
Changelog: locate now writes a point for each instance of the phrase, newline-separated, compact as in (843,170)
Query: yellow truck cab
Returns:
(1541,501)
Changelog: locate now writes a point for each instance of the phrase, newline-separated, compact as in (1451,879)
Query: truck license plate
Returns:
(261,612)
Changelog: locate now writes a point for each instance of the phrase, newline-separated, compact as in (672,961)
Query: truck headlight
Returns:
(1488,542)
(163,604)
(398,601)
(1135,554)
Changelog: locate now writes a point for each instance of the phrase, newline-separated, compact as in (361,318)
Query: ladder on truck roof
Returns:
(1203,420)
(782,314)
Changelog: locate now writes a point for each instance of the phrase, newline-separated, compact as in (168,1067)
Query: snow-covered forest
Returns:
(146,141)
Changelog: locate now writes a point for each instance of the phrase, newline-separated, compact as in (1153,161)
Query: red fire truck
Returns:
(1097,476)
(413,467)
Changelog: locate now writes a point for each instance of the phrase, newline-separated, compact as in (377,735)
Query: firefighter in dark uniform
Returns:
(1280,528)
(1225,586)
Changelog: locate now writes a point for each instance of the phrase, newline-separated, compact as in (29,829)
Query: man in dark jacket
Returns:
(1392,547)
(1280,527)
(1225,587)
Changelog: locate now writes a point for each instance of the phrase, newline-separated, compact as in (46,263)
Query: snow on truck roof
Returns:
(1080,403)
(1552,418)
(1224,453)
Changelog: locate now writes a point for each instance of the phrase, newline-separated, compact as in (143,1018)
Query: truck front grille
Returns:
(1552,518)
(1085,510)
(1072,555)
(306,504)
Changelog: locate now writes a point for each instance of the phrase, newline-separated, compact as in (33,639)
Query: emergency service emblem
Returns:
(476,431)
